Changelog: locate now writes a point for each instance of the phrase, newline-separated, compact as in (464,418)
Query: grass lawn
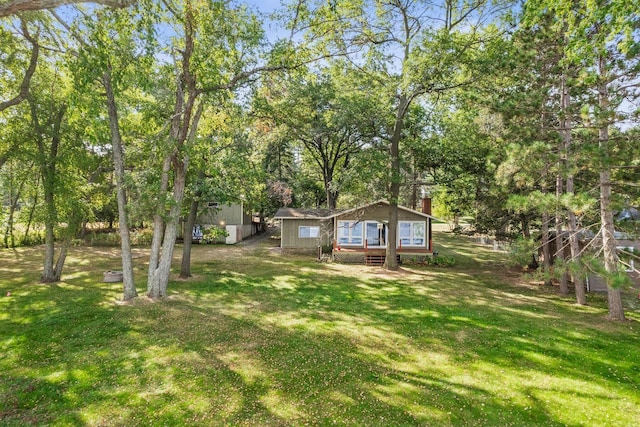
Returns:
(256,338)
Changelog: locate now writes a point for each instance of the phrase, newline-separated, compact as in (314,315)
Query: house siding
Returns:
(597,283)
(229,214)
(290,237)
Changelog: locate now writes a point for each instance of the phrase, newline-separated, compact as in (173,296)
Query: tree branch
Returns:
(13,7)
(26,81)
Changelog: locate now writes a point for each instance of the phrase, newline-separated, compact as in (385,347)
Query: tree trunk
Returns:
(12,7)
(160,269)
(51,273)
(391,259)
(185,268)
(614,296)
(10,229)
(158,224)
(48,175)
(616,310)
(332,199)
(526,231)
(62,257)
(48,275)
(32,212)
(559,255)
(546,249)
(129,287)
(414,185)
(565,123)
(578,278)
(160,275)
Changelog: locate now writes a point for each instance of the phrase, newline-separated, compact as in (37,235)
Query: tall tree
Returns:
(410,49)
(603,43)
(56,152)
(326,119)
(108,44)
(216,51)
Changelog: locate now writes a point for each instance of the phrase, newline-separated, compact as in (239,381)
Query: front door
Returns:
(376,234)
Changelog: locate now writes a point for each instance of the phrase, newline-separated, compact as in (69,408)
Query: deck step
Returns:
(376,259)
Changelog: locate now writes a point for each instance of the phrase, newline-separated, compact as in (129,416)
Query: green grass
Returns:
(261,339)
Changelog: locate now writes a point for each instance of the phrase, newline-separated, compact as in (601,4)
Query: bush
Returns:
(142,237)
(214,234)
(441,260)
(523,252)
(103,239)
(435,260)
(33,239)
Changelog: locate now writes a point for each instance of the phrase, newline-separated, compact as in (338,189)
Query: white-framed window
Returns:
(412,233)
(350,232)
(308,231)
(625,252)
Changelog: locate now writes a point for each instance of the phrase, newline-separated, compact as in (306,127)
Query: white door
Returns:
(376,234)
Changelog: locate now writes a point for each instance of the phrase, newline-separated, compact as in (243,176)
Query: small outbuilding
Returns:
(628,249)
(238,222)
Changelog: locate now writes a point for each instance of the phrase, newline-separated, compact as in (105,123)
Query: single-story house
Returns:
(358,233)
(233,217)
(628,249)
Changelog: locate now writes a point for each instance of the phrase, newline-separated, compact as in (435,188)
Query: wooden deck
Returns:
(372,256)
(409,251)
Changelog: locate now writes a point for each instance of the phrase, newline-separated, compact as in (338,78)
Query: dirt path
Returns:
(258,240)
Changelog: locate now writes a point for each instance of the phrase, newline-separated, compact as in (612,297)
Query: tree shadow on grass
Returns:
(286,341)
(492,334)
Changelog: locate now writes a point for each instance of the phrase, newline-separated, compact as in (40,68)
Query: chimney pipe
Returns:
(426,205)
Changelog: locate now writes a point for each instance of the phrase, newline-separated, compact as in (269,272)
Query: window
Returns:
(412,233)
(350,232)
(626,254)
(308,232)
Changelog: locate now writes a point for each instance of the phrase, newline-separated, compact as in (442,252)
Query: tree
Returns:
(222,39)
(410,49)
(223,166)
(57,155)
(325,115)
(603,43)
(533,112)
(108,49)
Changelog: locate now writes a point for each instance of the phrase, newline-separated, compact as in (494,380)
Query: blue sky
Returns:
(267,7)
(264,5)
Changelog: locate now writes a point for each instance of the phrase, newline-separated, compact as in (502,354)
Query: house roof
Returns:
(384,202)
(302,213)
(628,214)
